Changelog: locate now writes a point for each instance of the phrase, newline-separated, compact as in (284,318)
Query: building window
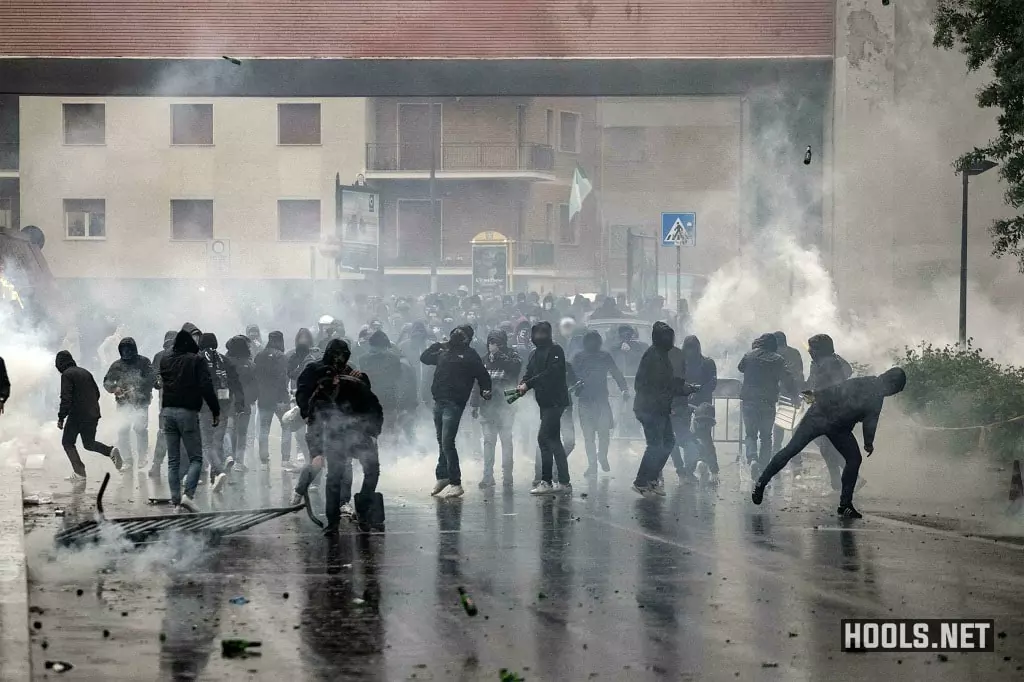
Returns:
(298,220)
(192,124)
(568,230)
(569,132)
(549,127)
(85,218)
(298,124)
(85,124)
(191,219)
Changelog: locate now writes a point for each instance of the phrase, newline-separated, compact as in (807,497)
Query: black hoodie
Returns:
(271,367)
(764,372)
(304,353)
(225,379)
(794,363)
(840,407)
(79,394)
(656,381)
(158,358)
(457,366)
(504,366)
(384,367)
(700,370)
(185,377)
(546,370)
(827,368)
(239,355)
(329,384)
(132,376)
(592,366)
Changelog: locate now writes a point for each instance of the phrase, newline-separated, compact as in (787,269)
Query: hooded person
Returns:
(131,379)
(827,369)
(239,354)
(628,349)
(693,418)
(765,376)
(304,353)
(546,375)
(254,337)
(607,310)
(457,368)
(795,370)
(79,415)
(273,398)
(833,413)
(193,331)
(593,366)
(346,417)
(231,397)
(384,367)
(497,417)
(657,384)
(187,386)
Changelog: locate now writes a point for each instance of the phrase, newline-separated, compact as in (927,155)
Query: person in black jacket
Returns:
(239,354)
(79,414)
(273,398)
(592,366)
(457,367)
(833,413)
(656,386)
(187,385)
(132,380)
(764,375)
(795,371)
(497,416)
(5,385)
(384,367)
(160,451)
(347,417)
(828,369)
(232,401)
(546,374)
(700,371)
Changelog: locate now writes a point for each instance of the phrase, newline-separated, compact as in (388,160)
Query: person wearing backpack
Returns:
(231,398)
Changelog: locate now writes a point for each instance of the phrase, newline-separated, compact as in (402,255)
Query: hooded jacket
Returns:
(384,367)
(185,377)
(546,370)
(271,369)
(222,372)
(131,379)
(701,371)
(158,358)
(239,355)
(827,368)
(764,371)
(79,394)
(592,366)
(504,367)
(657,382)
(304,353)
(457,366)
(5,383)
(255,344)
(331,384)
(628,359)
(841,407)
(794,364)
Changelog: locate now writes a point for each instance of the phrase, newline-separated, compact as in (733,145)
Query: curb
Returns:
(15,661)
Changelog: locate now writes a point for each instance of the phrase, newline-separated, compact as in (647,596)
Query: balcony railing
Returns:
(416,157)
(8,156)
(535,254)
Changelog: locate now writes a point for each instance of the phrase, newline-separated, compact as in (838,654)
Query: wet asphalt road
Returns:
(699,585)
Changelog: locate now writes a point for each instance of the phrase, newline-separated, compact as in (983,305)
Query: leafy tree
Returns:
(991,33)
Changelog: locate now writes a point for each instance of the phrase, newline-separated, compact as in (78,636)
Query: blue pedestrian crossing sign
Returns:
(678,229)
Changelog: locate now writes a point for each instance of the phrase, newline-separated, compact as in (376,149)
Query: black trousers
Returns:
(660,443)
(596,422)
(815,425)
(549,439)
(74,428)
(340,445)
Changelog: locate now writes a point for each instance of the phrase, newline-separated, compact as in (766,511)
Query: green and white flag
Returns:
(581,187)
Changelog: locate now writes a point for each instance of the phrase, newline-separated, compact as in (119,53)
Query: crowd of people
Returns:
(452,356)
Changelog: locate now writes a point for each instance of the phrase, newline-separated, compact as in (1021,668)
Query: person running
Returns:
(79,415)
(833,413)
(131,379)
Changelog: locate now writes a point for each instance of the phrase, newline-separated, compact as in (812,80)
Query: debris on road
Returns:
(36,499)
(509,676)
(58,666)
(239,601)
(467,602)
(238,648)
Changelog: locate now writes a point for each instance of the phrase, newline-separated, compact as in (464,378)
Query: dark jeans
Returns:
(136,419)
(779,439)
(181,428)
(74,428)
(596,422)
(239,431)
(758,424)
(567,436)
(549,439)
(342,444)
(660,442)
(447,415)
(815,425)
(695,440)
(496,424)
(267,415)
(213,436)
(833,460)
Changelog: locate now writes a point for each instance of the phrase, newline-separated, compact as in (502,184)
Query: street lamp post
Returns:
(976,168)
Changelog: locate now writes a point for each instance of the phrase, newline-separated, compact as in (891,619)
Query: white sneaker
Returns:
(560,489)
(454,491)
(115,457)
(189,505)
(347,511)
(702,472)
(441,484)
(543,488)
(658,488)
(218,483)
(229,464)
(755,471)
(75,478)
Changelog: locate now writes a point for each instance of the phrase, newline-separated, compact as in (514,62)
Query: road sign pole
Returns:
(679,273)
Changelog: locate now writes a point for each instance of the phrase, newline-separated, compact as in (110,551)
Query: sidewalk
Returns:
(15,663)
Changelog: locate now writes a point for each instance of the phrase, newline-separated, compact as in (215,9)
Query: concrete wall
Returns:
(138,172)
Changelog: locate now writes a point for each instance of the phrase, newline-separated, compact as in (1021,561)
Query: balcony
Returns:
(460,161)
